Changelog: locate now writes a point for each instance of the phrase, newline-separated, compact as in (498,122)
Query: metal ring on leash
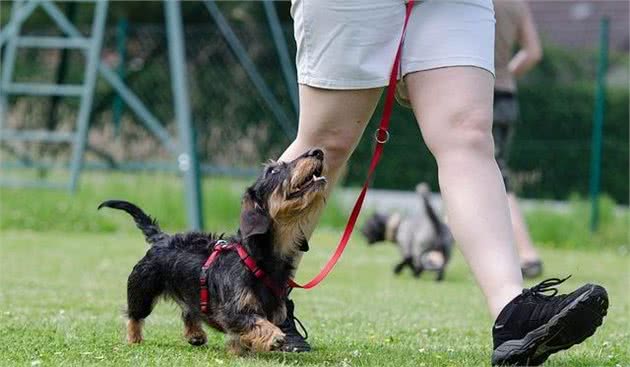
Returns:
(220,244)
(378,135)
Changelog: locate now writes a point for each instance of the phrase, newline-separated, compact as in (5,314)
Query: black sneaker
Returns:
(533,325)
(293,341)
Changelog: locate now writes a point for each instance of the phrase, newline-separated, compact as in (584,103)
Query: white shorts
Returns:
(350,44)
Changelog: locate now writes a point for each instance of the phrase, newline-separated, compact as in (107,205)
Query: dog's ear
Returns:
(254,219)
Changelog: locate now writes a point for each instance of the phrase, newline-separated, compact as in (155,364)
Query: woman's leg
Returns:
(333,120)
(454,109)
(524,244)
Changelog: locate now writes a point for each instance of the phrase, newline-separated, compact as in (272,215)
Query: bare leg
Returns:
(524,243)
(454,110)
(333,120)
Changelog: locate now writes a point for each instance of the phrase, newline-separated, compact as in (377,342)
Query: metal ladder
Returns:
(91,48)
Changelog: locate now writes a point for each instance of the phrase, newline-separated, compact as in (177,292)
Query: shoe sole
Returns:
(534,349)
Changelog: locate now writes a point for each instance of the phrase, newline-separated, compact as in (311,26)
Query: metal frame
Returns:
(184,150)
(288,71)
(91,46)
(251,70)
(187,158)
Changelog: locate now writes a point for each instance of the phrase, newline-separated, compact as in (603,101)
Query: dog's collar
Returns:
(391,227)
(222,246)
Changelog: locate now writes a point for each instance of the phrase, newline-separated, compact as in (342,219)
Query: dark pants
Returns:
(505,119)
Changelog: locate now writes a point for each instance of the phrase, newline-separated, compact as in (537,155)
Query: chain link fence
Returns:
(236,128)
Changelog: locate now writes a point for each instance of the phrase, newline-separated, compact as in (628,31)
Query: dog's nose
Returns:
(317,153)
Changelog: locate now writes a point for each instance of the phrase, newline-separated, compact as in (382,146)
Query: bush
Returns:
(572,229)
(551,144)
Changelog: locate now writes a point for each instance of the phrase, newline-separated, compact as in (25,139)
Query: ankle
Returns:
(501,297)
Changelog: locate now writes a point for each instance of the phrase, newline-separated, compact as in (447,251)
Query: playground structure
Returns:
(182,147)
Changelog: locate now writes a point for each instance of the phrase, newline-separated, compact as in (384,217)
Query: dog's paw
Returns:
(134,332)
(197,339)
(134,339)
(277,341)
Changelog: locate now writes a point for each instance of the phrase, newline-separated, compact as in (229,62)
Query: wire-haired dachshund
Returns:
(273,210)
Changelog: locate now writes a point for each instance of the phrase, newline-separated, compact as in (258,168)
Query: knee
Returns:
(337,152)
(468,131)
(336,145)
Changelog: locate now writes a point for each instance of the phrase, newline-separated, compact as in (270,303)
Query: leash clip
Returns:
(221,245)
(381,135)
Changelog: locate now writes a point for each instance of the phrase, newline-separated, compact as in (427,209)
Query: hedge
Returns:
(550,150)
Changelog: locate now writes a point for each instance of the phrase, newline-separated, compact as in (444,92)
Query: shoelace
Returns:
(305,336)
(546,285)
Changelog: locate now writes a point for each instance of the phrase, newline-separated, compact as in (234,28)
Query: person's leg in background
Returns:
(531,265)
(454,110)
(505,119)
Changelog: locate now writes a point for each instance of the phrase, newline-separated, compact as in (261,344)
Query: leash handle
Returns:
(382,135)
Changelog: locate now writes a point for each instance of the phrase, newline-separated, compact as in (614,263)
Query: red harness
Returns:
(220,247)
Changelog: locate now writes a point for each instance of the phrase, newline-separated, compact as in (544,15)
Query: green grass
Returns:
(161,195)
(62,295)
(571,230)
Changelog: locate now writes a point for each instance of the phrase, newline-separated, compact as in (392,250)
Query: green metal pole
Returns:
(187,158)
(598,123)
(121,45)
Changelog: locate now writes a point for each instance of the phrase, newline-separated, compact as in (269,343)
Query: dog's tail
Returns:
(145,223)
(425,193)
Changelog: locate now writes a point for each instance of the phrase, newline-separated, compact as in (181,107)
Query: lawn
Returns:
(63,292)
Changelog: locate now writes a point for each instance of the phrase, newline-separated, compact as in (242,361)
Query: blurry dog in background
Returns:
(424,240)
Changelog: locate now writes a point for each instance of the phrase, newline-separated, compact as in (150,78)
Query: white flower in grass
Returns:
(36,362)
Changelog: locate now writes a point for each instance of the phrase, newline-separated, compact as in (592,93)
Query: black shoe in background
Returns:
(533,326)
(294,341)
(532,269)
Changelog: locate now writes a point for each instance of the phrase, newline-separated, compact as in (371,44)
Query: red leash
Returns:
(382,136)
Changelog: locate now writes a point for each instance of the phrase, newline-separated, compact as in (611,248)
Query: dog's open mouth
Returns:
(310,182)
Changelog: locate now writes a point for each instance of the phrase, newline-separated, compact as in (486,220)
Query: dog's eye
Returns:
(271,171)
